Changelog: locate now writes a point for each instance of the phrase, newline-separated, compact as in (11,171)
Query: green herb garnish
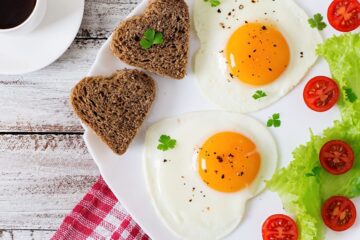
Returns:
(151,37)
(317,22)
(214,3)
(274,121)
(315,172)
(259,94)
(350,95)
(166,143)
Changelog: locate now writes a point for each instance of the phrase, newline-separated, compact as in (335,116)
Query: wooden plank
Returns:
(102,16)
(42,177)
(38,102)
(25,235)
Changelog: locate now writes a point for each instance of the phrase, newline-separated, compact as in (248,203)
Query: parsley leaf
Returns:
(259,94)
(145,44)
(151,37)
(214,3)
(317,22)
(166,143)
(350,95)
(315,172)
(159,38)
(149,34)
(274,121)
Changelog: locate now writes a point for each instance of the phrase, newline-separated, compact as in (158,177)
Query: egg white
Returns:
(174,182)
(211,69)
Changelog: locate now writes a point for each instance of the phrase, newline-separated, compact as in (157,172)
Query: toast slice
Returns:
(114,107)
(170,58)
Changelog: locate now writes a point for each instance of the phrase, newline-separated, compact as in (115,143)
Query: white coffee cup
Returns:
(31,22)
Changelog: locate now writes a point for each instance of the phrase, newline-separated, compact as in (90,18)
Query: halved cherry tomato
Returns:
(337,157)
(279,227)
(339,213)
(321,93)
(344,15)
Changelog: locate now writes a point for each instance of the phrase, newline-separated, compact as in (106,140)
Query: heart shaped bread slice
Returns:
(114,107)
(171,19)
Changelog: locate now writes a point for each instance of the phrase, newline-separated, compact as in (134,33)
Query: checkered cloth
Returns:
(99,216)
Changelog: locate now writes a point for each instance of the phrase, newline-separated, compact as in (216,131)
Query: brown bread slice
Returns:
(115,106)
(171,18)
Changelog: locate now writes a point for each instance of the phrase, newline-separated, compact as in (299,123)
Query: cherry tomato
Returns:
(338,213)
(337,157)
(321,93)
(279,227)
(344,15)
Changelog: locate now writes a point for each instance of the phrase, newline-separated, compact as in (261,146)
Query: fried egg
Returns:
(220,161)
(249,46)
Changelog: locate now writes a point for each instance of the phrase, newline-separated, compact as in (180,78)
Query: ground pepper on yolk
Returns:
(228,162)
(257,54)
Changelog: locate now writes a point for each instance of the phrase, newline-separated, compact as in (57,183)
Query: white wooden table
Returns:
(45,168)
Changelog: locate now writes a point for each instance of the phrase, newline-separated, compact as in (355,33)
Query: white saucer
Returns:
(21,54)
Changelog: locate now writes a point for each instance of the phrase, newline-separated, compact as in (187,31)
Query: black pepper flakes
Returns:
(222,176)
(240,174)
(220,159)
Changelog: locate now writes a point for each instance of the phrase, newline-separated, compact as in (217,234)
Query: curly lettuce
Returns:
(343,56)
(304,185)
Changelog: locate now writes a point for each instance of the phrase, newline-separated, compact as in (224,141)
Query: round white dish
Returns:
(27,52)
(125,176)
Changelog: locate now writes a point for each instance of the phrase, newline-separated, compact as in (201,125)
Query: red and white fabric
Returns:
(99,216)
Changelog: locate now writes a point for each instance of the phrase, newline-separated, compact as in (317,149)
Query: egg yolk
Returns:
(228,162)
(257,54)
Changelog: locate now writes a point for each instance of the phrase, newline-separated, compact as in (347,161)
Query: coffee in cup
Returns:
(21,16)
(15,12)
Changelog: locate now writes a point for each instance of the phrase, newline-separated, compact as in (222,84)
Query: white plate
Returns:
(124,174)
(21,54)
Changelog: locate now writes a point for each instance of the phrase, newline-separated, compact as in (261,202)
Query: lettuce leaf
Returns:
(303,185)
(343,55)
(299,193)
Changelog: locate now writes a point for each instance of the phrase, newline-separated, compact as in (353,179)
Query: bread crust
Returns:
(114,107)
(171,18)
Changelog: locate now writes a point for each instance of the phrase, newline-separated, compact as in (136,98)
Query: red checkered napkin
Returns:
(99,216)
